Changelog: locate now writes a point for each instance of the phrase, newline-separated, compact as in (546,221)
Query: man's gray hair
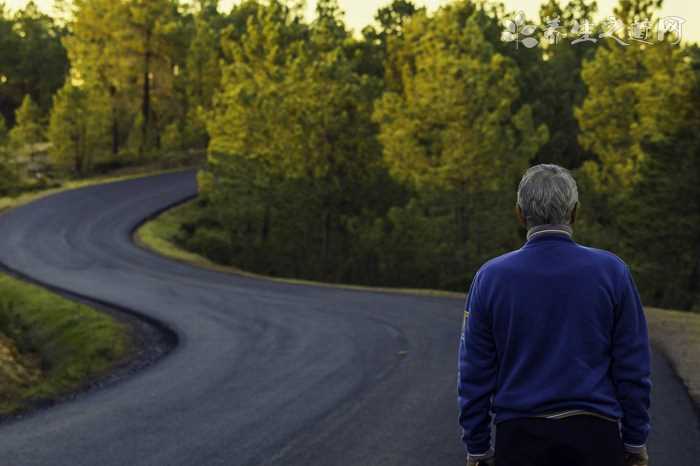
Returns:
(547,194)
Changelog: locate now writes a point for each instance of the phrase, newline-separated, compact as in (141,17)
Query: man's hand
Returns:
(482,460)
(636,459)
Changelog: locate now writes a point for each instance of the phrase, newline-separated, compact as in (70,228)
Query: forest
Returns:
(388,156)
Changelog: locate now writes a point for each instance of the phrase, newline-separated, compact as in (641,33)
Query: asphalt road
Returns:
(264,372)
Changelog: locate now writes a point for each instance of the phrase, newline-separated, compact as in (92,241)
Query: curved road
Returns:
(264,372)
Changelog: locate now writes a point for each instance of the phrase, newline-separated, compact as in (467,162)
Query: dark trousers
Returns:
(573,441)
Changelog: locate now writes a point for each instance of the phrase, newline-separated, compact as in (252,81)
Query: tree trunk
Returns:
(325,244)
(146,97)
(79,152)
(694,285)
(265,232)
(115,122)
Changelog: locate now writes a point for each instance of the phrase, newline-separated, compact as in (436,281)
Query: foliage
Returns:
(637,119)
(32,59)
(295,117)
(79,129)
(202,79)
(28,131)
(8,176)
(449,131)
(446,129)
(131,50)
(558,87)
(386,158)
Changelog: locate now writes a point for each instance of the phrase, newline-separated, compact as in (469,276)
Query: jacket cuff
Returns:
(636,449)
(481,456)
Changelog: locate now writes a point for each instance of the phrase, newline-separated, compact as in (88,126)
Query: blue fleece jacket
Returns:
(550,327)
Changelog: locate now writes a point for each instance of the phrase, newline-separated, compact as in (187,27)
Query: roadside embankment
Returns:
(51,346)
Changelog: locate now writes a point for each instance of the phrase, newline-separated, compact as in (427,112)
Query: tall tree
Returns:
(24,137)
(616,115)
(78,129)
(560,88)
(32,59)
(666,191)
(661,229)
(612,117)
(8,172)
(637,119)
(371,51)
(148,40)
(28,130)
(292,102)
(455,125)
(203,73)
(134,49)
(97,58)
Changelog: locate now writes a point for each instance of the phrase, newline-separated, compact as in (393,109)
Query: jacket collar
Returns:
(549,229)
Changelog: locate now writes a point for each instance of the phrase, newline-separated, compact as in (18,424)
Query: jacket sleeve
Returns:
(631,369)
(477,371)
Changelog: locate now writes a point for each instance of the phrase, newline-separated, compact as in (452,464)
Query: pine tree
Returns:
(28,130)
(8,173)
(661,220)
(292,102)
(617,113)
(559,87)
(203,75)
(98,59)
(455,125)
(639,119)
(32,59)
(78,129)
(133,50)
(147,39)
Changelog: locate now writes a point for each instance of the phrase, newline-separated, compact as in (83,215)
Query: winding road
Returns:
(264,373)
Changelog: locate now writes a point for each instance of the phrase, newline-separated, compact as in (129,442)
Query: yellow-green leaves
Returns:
(635,95)
(455,122)
(79,129)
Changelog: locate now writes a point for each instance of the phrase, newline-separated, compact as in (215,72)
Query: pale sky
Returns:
(359,13)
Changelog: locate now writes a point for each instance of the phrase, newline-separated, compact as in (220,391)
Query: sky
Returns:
(359,13)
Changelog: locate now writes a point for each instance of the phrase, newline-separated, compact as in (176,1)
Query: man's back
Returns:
(554,308)
(555,344)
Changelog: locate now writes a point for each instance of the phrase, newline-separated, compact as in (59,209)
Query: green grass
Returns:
(51,346)
(675,333)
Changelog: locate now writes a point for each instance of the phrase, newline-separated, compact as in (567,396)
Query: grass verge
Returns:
(51,346)
(675,333)
(159,234)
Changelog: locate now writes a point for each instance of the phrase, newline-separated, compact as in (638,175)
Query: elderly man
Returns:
(555,345)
